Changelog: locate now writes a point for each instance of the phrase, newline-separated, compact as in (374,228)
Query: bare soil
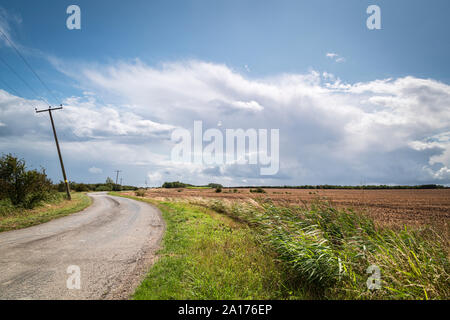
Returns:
(397,207)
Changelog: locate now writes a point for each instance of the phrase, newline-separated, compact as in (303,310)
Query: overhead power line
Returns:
(49,110)
(22,79)
(28,65)
(11,88)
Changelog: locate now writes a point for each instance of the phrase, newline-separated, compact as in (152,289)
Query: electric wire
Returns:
(28,65)
(22,79)
(11,88)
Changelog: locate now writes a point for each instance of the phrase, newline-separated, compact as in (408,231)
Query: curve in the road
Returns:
(112,244)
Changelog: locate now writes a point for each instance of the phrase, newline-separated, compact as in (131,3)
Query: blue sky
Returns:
(267,36)
(258,41)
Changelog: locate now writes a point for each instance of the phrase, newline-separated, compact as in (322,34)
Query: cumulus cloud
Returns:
(382,131)
(95,170)
(87,119)
(155,178)
(336,57)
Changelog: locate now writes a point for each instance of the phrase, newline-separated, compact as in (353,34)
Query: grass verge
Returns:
(207,255)
(265,251)
(18,218)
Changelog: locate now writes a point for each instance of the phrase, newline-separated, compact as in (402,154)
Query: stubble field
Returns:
(392,207)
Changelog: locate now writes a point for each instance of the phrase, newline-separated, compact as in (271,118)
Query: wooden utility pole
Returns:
(117,175)
(49,110)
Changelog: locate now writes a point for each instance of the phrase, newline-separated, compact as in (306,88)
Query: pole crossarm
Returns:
(49,109)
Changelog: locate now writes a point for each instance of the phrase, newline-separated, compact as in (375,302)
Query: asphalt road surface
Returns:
(108,247)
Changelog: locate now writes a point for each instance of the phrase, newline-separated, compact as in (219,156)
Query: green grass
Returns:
(270,252)
(206,255)
(330,251)
(16,218)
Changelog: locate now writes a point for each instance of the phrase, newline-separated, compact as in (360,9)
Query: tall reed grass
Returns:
(330,250)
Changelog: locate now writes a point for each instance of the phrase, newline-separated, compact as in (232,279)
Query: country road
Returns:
(113,242)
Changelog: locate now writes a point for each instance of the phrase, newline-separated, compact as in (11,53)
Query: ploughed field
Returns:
(394,207)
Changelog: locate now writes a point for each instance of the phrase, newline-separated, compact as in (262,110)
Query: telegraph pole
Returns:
(49,110)
(117,175)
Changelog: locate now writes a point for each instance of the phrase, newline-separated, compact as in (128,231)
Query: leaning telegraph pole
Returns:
(49,110)
(117,175)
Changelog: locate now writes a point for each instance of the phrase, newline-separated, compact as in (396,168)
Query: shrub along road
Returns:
(17,218)
(113,242)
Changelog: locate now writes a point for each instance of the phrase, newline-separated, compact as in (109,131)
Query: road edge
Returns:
(60,214)
(148,255)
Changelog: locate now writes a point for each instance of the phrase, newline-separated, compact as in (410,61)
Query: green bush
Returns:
(81,187)
(140,193)
(103,188)
(258,190)
(215,185)
(61,186)
(6,208)
(116,187)
(22,187)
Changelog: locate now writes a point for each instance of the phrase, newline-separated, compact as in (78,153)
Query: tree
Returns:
(175,184)
(61,186)
(215,185)
(12,179)
(109,182)
(20,186)
(81,187)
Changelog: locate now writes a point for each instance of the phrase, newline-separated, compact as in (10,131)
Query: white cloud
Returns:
(95,170)
(388,130)
(155,179)
(247,105)
(336,57)
(88,121)
(441,174)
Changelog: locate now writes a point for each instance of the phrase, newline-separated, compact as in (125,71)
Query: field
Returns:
(323,242)
(392,207)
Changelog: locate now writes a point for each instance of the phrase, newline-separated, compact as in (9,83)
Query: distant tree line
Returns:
(108,185)
(214,186)
(368,187)
(178,184)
